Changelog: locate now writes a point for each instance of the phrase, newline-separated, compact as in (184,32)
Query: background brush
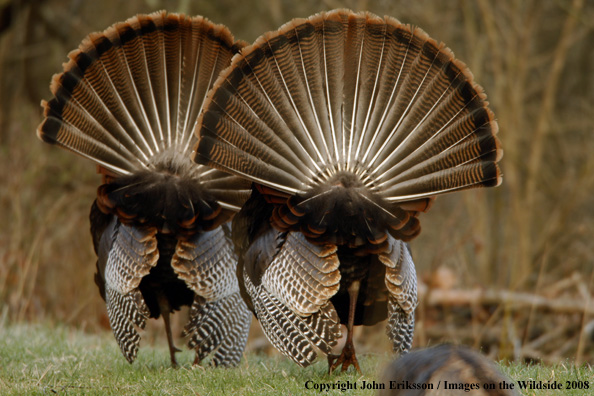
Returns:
(348,125)
(442,367)
(128,99)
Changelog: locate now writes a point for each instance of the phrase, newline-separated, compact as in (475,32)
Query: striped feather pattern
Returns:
(135,90)
(295,336)
(207,264)
(303,276)
(132,254)
(126,313)
(345,92)
(219,319)
(400,328)
(220,326)
(401,281)
(348,125)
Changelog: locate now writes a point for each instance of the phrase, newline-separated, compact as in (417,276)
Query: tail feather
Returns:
(78,113)
(149,71)
(141,103)
(362,44)
(370,96)
(111,74)
(290,95)
(73,139)
(260,171)
(445,181)
(467,151)
(239,137)
(234,104)
(350,92)
(136,89)
(332,44)
(308,60)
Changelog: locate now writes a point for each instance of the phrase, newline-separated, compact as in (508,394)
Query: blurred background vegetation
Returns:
(508,270)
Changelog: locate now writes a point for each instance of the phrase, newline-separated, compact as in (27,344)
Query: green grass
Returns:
(42,360)
(36,359)
(563,375)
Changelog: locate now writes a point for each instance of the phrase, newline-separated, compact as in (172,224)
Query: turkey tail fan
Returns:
(134,91)
(343,92)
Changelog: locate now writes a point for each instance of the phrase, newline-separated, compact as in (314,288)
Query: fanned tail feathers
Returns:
(128,99)
(348,125)
(132,94)
(341,92)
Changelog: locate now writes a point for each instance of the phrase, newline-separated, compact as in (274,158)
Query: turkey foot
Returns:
(347,358)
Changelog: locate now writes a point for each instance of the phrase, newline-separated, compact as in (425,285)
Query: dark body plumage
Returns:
(128,99)
(348,125)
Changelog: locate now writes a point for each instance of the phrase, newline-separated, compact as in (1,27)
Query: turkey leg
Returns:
(165,312)
(347,358)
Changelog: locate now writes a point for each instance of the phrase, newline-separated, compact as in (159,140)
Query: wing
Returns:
(401,281)
(207,264)
(290,292)
(219,319)
(221,326)
(128,254)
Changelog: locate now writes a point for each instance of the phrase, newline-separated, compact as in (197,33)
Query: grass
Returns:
(38,359)
(41,360)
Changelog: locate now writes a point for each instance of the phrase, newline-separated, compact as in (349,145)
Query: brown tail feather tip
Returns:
(243,93)
(83,115)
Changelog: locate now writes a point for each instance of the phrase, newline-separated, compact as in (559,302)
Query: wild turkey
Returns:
(348,125)
(439,366)
(128,99)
